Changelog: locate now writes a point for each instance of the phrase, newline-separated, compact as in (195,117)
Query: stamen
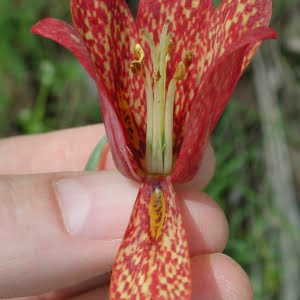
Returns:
(149,133)
(139,53)
(168,153)
(146,35)
(180,71)
(157,75)
(170,47)
(136,67)
(160,101)
(188,58)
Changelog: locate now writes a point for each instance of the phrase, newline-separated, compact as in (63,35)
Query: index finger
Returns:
(69,150)
(57,151)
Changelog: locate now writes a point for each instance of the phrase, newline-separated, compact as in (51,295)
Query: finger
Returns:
(100,293)
(218,277)
(205,222)
(69,150)
(48,248)
(57,151)
(98,285)
(214,276)
(205,171)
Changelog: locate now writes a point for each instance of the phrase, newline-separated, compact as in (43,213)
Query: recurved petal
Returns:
(108,31)
(153,259)
(64,34)
(230,21)
(215,90)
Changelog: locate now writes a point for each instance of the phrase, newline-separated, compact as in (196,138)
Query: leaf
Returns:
(94,158)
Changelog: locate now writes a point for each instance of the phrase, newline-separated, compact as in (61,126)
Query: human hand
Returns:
(45,255)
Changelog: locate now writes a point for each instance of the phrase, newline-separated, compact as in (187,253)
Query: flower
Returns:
(163,83)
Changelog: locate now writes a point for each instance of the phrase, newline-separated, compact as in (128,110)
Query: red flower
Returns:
(163,83)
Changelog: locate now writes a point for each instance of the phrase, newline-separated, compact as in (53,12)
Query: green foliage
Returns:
(42,86)
(239,167)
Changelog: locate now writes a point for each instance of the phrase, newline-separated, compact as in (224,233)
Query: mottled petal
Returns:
(64,34)
(228,24)
(153,259)
(124,160)
(230,21)
(108,31)
(212,97)
(185,16)
(241,16)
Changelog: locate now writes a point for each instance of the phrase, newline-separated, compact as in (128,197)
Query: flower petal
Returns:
(109,33)
(230,21)
(226,25)
(64,34)
(153,260)
(185,17)
(212,97)
(124,160)
(186,20)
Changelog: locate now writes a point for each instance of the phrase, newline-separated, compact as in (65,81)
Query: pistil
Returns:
(160,101)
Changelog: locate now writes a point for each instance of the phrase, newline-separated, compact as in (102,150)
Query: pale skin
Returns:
(41,257)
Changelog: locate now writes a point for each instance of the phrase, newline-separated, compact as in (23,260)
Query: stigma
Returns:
(160,98)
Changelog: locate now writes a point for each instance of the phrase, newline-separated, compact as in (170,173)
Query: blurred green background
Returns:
(43,88)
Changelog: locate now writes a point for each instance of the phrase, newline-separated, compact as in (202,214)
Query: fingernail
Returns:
(96,205)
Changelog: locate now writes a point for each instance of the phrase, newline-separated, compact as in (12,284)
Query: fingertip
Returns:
(205,222)
(108,161)
(217,276)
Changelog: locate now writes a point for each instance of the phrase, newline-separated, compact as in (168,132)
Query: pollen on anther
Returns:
(157,75)
(180,71)
(138,53)
(170,47)
(136,67)
(188,58)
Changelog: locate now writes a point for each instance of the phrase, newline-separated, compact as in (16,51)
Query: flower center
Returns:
(160,100)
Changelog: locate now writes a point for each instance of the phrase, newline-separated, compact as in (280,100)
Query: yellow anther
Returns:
(136,67)
(170,47)
(157,75)
(188,58)
(180,71)
(139,53)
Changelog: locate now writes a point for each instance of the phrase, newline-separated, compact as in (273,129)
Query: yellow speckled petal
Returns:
(64,34)
(231,21)
(153,259)
(109,33)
